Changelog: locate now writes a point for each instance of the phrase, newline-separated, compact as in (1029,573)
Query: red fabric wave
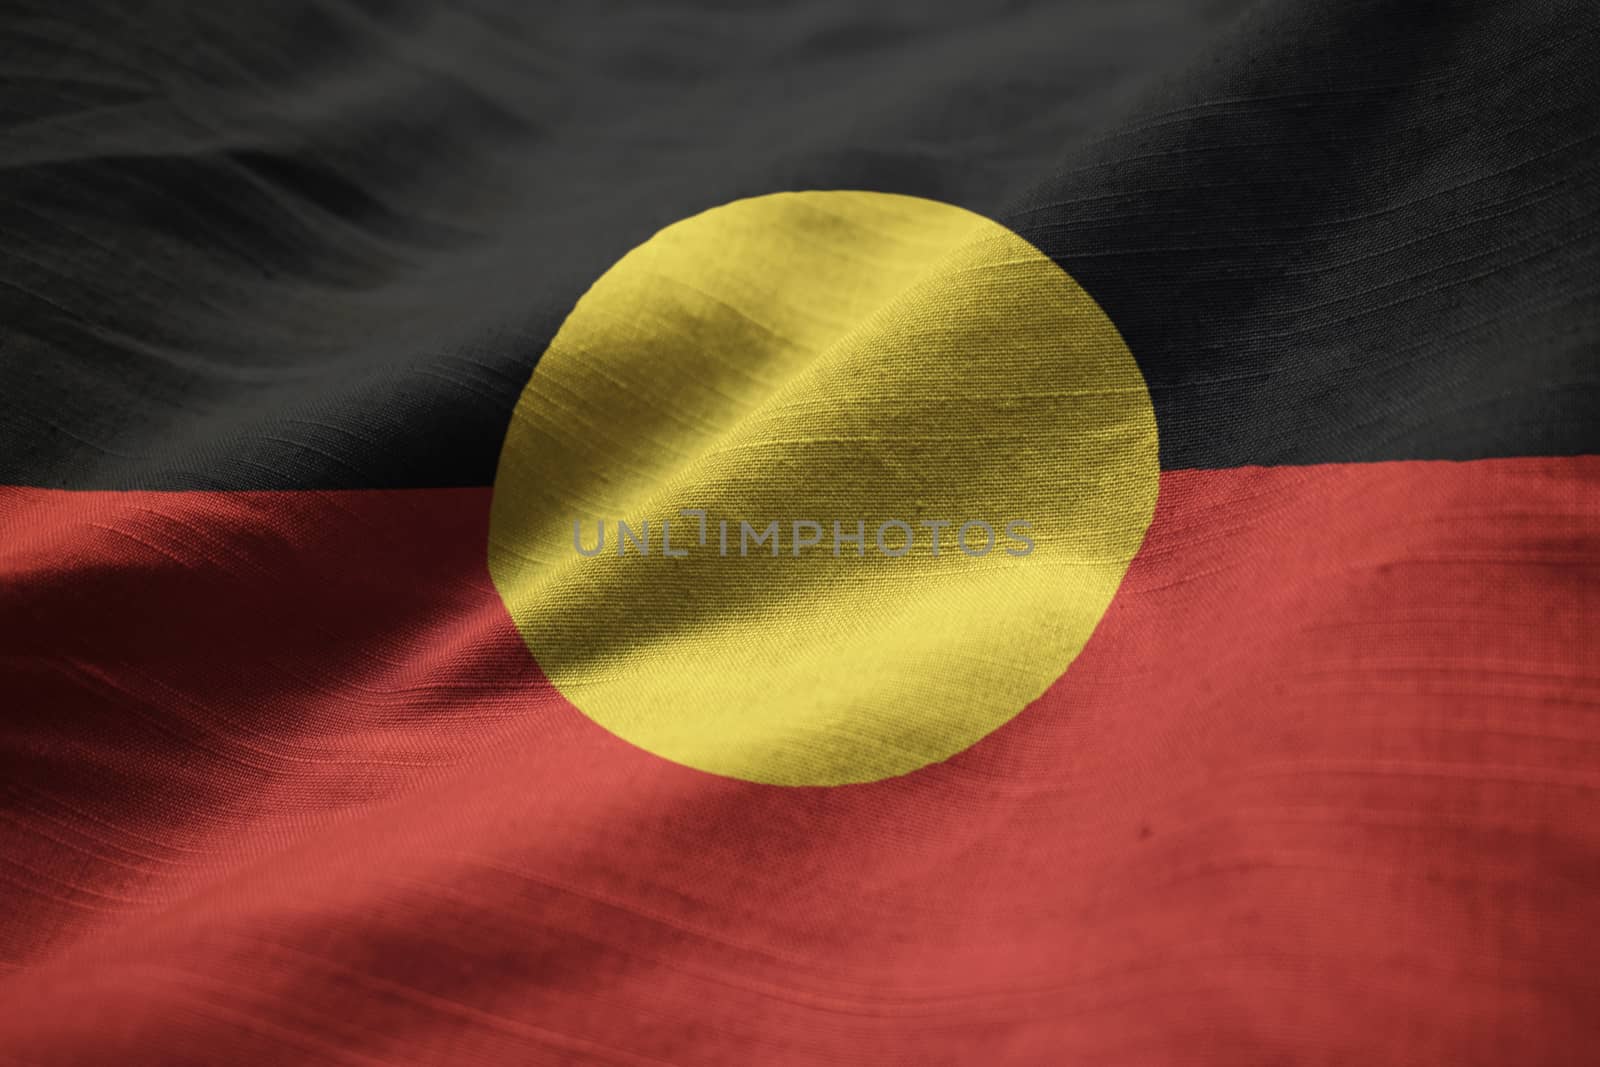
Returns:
(282,783)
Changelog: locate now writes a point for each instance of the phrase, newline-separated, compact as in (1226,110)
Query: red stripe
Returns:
(281,783)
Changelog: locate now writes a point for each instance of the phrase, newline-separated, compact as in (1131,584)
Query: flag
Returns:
(806,534)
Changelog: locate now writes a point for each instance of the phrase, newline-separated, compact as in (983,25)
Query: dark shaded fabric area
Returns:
(322,244)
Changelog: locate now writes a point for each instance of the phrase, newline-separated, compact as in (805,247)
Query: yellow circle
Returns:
(822,357)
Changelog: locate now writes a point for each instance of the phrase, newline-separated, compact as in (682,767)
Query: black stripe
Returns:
(318,245)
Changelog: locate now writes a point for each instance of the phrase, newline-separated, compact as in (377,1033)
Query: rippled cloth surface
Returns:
(280,783)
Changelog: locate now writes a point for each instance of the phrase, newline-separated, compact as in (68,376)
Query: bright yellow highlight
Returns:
(832,356)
